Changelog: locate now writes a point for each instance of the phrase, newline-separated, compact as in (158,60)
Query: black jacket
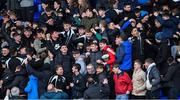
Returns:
(79,86)
(60,82)
(20,81)
(172,77)
(93,92)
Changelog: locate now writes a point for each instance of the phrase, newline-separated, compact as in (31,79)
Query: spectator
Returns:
(138,81)
(103,81)
(91,73)
(105,49)
(58,80)
(80,60)
(171,78)
(78,83)
(124,53)
(123,84)
(153,79)
(52,93)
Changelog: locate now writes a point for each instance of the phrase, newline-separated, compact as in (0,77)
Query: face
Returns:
(127,8)
(101,13)
(157,24)
(98,70)
(88,34)
(60,71)
(27,34)
(134,32)
(81,31)
(89,13)
(136,66)
(23,51)
(5,51)
(118,40)
(102,45)
(56,5)
(74,69)
(80,2)
(55,35)
(76,56)
(94,47)
(17,38)
(64,49)
(115,70)
(90,69)
(66,27)
(146,65)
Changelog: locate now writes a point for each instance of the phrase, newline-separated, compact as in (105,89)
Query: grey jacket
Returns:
(154,78)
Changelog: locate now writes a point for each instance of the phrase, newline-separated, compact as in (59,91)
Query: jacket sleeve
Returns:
(169,74)
(120,54)
(28,88)
(156,77)
(81,85)
(125,25)
(164,53)
(50,47)
(165,23)
(34,72)
(129,82)
(15,82)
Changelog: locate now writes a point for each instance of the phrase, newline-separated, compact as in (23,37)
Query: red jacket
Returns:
(111,56)
(122,83)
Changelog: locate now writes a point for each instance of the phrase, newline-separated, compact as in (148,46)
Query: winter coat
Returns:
(81,61)
(94,56)
(54,95)
(124,55)
(19,81)
(65,60)
(172,77)
(122,83)
(91,94)
(154,78)
(111,59)
(79,86)
(13,4)
(32,88)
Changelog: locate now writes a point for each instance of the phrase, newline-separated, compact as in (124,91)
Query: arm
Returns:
(156,76)
(28,88)
(120,54)
(38,48)
(169,74)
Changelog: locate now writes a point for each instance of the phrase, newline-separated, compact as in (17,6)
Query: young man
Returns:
(105,49)
(124,53)
(138,81)
(78,83)
(153,80)
(80,60)
(123,84)
(58,80)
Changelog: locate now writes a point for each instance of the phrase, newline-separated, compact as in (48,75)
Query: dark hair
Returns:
(57,66)
(81,27)
(101,66)
(116,65)
(104,41)
(170,59)
(77,66)
(122,36)
(149,60)
(58,2)
(76,52)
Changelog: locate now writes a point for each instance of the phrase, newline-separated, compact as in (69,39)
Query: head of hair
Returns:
(104,41)
(76,52)
(149,60)
(58,66)
(122,36)
(170,59)
(116,65)
(77,66)
(138,61)
(101,66)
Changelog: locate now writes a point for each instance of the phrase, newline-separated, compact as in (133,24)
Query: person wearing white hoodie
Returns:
(153,79)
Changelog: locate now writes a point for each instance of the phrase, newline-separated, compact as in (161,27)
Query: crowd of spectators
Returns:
(90,49)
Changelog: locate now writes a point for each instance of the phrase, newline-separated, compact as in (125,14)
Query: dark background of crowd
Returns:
(52,49)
